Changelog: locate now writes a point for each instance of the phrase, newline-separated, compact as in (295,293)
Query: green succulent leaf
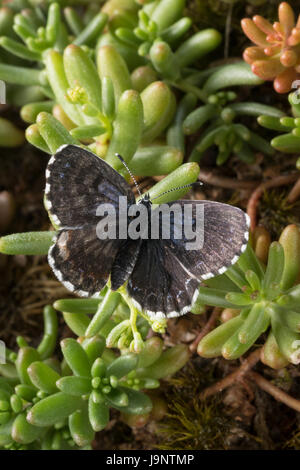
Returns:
(94,347)
(152,351)
(212,343)
(26,356)
(24,432)
(76,357)
(43,377)
(53,409)
(98,415)
(169,362)
(122,365)
(80,427)
(75,386)
(138,402)
(117,398)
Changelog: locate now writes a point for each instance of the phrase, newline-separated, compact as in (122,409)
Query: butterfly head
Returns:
(146,201)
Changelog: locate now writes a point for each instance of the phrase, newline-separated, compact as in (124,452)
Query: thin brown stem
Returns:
(235,376)
(245,369)
(228,30)
(294,193)
(258,192)
(206,329)
(209,177)
(276,392)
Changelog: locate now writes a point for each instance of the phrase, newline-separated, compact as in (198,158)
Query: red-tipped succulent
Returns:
(276,55)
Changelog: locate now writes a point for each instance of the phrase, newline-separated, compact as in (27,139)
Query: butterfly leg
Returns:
(137,343)
(158,326)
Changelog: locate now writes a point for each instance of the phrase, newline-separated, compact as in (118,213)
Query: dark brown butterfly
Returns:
(162,275)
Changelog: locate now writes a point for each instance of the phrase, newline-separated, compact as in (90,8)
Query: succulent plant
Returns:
(25,36)
(218,117)
(289,140)
(48,404)
(158,34)
(263,299)
(99,108)
(275,55)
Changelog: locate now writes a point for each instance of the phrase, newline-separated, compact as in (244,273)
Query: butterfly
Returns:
(162,276)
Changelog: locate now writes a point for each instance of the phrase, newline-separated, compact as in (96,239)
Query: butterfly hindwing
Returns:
(81,261)
(159,284)
(124,262)
(166,275)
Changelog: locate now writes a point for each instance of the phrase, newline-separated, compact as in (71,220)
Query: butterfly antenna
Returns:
(131,175)
(190,185)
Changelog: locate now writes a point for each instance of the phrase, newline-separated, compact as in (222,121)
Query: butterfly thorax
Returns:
(146,202)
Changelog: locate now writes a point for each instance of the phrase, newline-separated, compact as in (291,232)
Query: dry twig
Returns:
(209,177)
(235,376)
(276,392)
(258,192)
(206,329)
(294,193)
(245,369)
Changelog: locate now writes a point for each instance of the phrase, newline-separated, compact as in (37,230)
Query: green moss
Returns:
(275,212)
(191,424)
(294,441)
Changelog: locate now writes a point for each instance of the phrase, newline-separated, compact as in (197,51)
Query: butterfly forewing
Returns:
(77,182)
(225,231)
